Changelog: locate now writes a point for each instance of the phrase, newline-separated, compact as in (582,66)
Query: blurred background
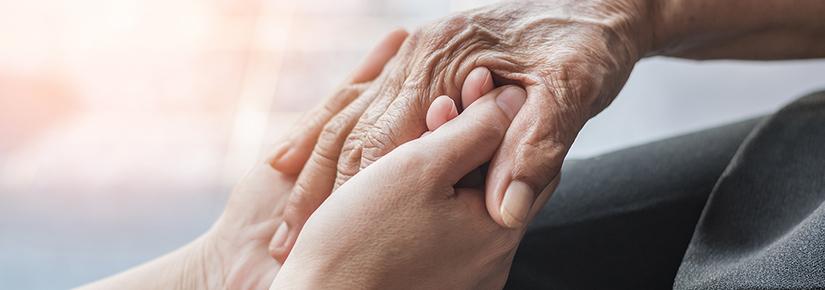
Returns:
(124,123)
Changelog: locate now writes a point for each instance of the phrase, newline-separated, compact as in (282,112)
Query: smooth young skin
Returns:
(419,228)
(234,253)
(571,56)
(477,83)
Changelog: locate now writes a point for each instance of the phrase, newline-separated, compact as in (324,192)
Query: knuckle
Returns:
(342,97)
(329,141)
(411,159)
(541,159)
(396,126)
(300,202)
(491,129)
(323,158)
(377,142)
(415,155)
(348,163)
(369,157)
(334,129)
(340,179)
(573,84)
(328,115)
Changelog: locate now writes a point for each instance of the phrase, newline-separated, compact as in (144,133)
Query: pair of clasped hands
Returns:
(416,216)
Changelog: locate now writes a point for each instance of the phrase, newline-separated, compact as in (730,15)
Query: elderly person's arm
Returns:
(571,56)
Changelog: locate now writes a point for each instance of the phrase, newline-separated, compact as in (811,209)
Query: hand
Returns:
(234,253)
(241,237)
(403,222)
(571,56)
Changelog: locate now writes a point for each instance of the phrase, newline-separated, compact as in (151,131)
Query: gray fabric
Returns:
(764,224)
(631,219)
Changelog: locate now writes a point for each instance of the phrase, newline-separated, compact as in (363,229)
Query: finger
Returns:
(441,110)
(291,155)
(315,182)
(468,141)
(374,63)
(477,83)
(397,122)
(523,172)
(388,120)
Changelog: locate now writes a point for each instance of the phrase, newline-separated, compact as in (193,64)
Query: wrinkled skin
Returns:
(572,57)
(433,232)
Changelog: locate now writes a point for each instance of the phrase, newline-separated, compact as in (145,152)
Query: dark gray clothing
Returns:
(734,207)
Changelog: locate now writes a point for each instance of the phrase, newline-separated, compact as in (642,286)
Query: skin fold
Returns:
(572,57)
(234,253)
(383,187)
(448,223)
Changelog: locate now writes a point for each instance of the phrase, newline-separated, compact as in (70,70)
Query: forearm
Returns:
(742,29)
(181,269)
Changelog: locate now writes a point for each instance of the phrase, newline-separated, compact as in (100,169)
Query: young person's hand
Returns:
(234,253)
(404,222)
(571,56)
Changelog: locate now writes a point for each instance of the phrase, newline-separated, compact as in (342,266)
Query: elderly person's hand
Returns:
(406,221)
(571,56)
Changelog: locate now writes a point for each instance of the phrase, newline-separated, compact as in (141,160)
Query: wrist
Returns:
(185,268)
(671,26)
(213,261)
(199,263)
(710,29)
(637,24)
(235,256)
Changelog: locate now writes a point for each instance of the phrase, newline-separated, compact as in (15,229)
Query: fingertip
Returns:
(479,130)
(516,204)
(399,34)
(288,159)
(277,247)
(278,154)
(453,111)
(478,82)
(441,110)
(511,100)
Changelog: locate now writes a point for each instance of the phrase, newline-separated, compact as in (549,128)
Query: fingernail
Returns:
(279,153)
(472,90)
(510,100)
(453,111)
(279,239)
(518,199)
(479,73)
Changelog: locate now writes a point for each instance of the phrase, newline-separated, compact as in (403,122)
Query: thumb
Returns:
(527,167)
(468,141)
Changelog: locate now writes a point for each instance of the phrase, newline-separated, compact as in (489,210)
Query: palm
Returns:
(252,215)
